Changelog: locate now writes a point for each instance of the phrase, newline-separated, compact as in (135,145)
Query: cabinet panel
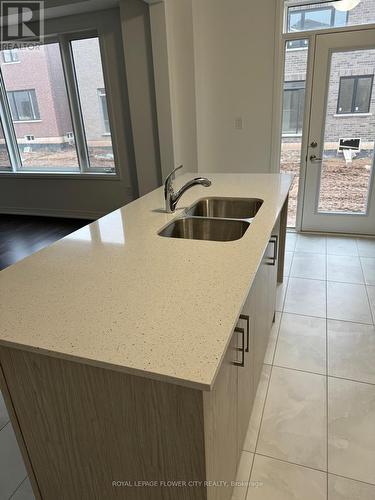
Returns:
(261,318)
(246,373)
(220,424)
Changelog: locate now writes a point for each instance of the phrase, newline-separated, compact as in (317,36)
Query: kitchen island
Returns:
(130,360)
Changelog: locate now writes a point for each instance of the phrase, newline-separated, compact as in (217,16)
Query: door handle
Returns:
(242,348)
(314,158)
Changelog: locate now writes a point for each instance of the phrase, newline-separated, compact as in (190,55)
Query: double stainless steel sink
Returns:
(214,219)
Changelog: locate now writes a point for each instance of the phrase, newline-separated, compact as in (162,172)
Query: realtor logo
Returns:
(21,22)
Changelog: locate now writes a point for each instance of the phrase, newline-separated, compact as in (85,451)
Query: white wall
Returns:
(179,18)
(234,72)
(135,25)
(173,50)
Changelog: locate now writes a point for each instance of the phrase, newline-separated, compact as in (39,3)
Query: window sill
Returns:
(27,121)
(296,49)
(61,175)
(348,115)
(291,135)
(10,62)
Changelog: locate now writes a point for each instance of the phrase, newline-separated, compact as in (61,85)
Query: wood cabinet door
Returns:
(246,372)
(262,322)
(273,256)
(220,424)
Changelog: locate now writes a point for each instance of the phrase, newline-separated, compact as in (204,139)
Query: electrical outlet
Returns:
(238,124)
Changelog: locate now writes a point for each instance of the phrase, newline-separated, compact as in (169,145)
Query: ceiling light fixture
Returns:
(345,5)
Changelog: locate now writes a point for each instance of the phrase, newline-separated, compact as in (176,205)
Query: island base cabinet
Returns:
(91,433)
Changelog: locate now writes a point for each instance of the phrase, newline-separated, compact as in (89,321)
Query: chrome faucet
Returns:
(172,198)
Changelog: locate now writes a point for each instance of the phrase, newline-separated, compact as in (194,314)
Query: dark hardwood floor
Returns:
(21,235)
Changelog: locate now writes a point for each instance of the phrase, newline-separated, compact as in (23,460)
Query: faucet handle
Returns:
(171,176)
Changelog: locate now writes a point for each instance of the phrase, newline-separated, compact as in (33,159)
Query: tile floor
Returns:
(312,430)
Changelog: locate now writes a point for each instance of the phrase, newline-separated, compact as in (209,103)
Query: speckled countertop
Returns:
(118,295)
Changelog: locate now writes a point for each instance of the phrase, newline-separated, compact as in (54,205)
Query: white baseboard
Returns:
(53,212)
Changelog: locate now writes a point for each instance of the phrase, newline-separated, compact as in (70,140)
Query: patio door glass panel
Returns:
(339,195)
(348,154)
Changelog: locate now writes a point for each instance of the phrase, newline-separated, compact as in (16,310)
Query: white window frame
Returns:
(64,41)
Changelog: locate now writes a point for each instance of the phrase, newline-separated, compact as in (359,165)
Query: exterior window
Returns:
(10,56)
(90,78)
(313,19)
(54,116)
(104,109)
(355,94)
(23,105)
(293,107)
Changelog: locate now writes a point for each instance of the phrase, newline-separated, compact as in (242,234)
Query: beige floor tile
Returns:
(366,247)
(348,302)
(24,492)
(243,476)
(12,469)
(368,264)
(351,351)
(302,343)
(307,297)
(280,294)
(275,480)
(256,414)
(311,243)
(344,268)
(294,420)
(268,358)
(351,429)
(290,242)
(341,246)
(371,296)
(4,417)
(308,265)
(288,263)
(340,488)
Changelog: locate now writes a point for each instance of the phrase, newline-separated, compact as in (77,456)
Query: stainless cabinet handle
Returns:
(274,240)
(247,319)
(242,348)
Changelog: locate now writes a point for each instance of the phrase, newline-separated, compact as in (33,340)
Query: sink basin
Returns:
(205,229)
(226,208)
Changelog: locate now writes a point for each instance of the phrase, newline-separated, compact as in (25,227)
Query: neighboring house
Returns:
(351,97)
(37,95)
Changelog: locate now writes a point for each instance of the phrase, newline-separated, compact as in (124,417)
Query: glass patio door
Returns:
(339,187)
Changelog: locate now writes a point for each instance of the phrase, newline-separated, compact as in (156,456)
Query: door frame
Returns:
(326,45)
(280,41)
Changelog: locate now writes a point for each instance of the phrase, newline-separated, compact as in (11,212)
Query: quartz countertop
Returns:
(117,295)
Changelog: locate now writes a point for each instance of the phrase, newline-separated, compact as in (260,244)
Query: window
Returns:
(355,94)
(10,56)
(293,107)
(55,116)
(89,75)
(309,15)
(23,105)
(313,19)
(104,109)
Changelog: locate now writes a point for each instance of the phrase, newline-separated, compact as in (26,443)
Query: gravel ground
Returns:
(344,186)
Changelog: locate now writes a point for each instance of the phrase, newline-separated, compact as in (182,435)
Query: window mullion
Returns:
(75,106)
(8,128)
